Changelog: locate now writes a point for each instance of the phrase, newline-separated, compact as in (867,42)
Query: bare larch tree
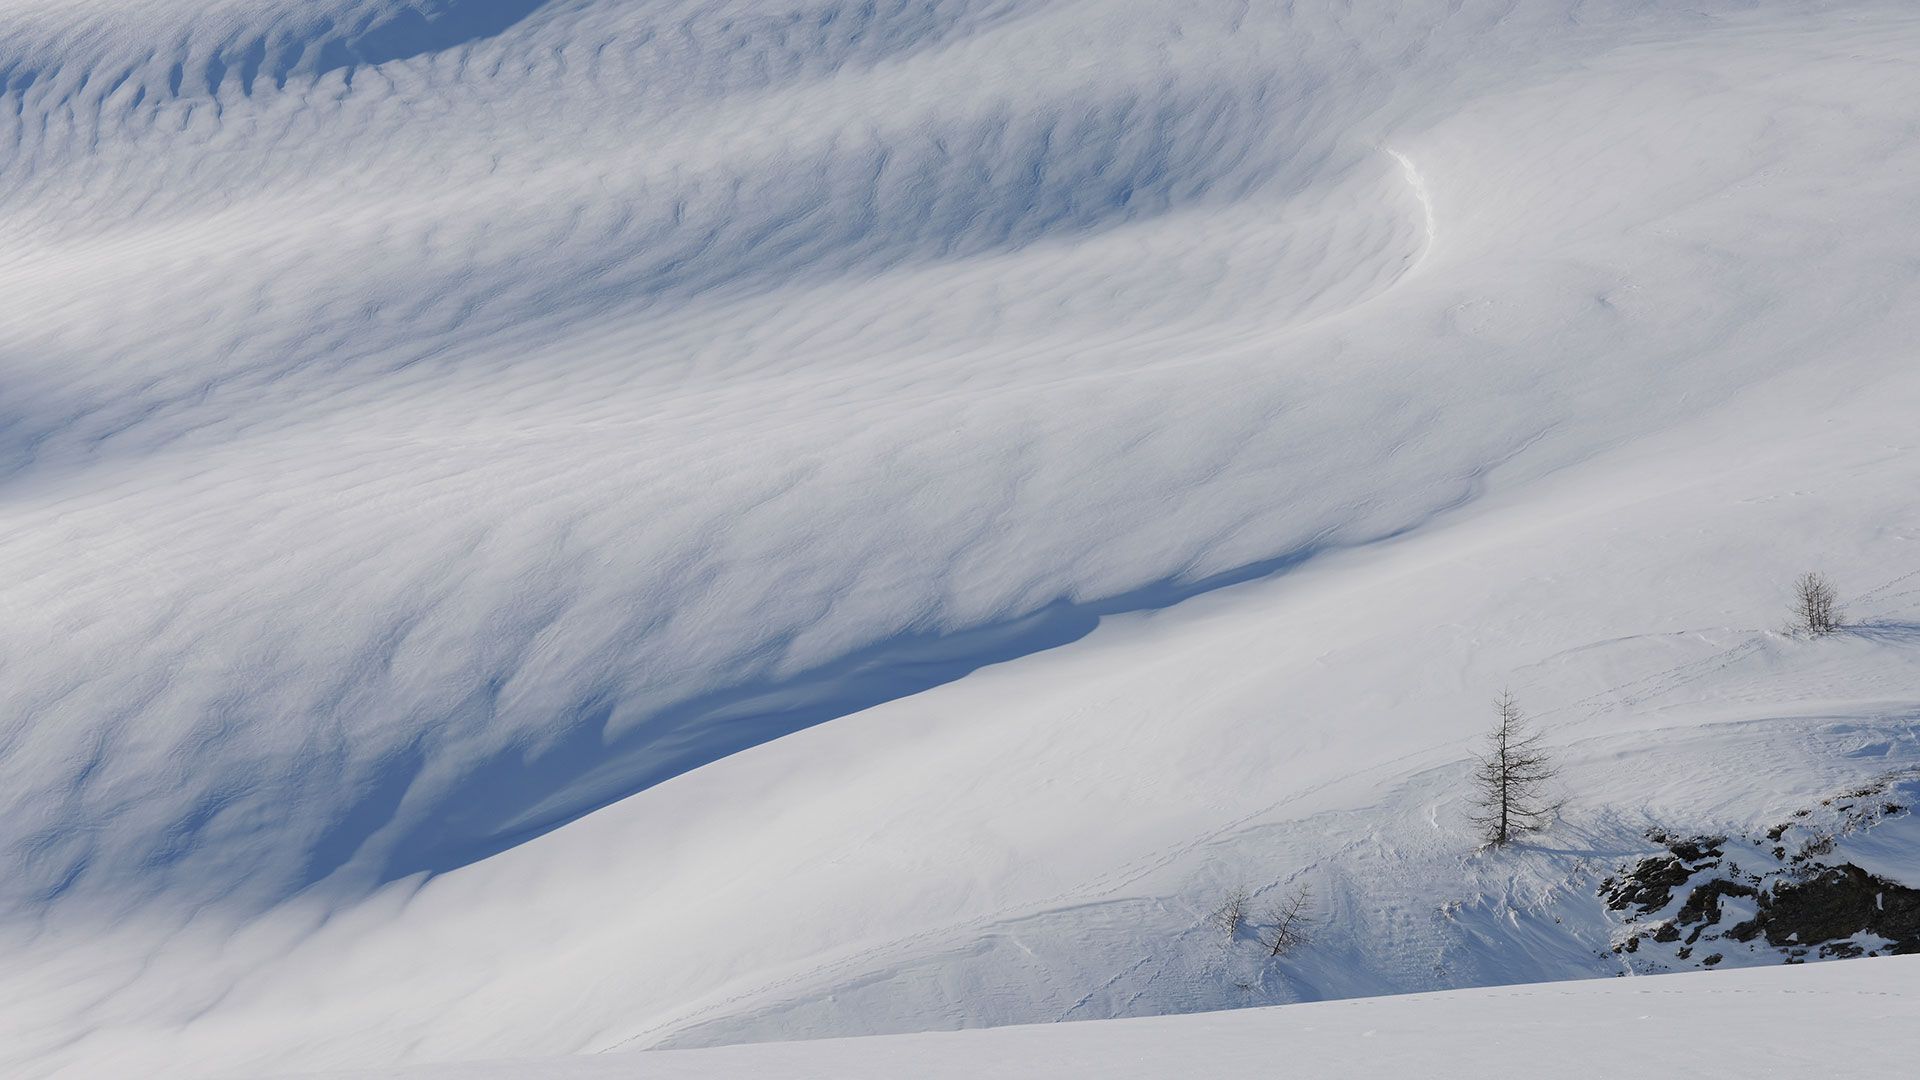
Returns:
(1510,782)
(1816,605)
(1287,921)
(1231,915)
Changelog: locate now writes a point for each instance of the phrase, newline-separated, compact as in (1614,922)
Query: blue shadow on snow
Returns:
(515,798)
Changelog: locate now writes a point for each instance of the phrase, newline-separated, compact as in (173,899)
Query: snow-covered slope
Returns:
(1707,1026)
(424,423)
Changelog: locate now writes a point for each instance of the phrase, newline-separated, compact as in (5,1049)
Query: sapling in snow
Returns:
(1231,915)
(1816,605)
(1510,782)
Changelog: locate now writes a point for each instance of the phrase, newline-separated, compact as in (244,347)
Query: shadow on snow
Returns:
(515,798)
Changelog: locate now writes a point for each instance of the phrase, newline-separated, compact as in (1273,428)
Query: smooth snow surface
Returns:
(1690,1025)
(956,485)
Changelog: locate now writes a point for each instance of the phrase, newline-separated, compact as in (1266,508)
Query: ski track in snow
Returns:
(425,424)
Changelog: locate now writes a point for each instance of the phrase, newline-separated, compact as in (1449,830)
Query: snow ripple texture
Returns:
(405,403)
(425,422)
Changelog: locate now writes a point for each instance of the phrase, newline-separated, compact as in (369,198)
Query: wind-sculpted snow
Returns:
(453,445)
(424,423)
(602,443)
(336,317)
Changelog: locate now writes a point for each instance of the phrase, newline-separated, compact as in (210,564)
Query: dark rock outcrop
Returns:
(1650,884)
(1835,903)
(1806,897)
(1704,901)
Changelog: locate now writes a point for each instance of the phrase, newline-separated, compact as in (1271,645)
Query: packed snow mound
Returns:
(425,423)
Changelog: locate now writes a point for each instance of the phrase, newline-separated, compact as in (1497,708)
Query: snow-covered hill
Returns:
(535,528)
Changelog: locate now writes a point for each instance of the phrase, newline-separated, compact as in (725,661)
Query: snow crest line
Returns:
(1418,184)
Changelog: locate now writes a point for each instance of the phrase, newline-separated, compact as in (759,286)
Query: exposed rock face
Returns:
(1697,850)
(1650,884)
(1704,902)
(1837,902)
(1800,897)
